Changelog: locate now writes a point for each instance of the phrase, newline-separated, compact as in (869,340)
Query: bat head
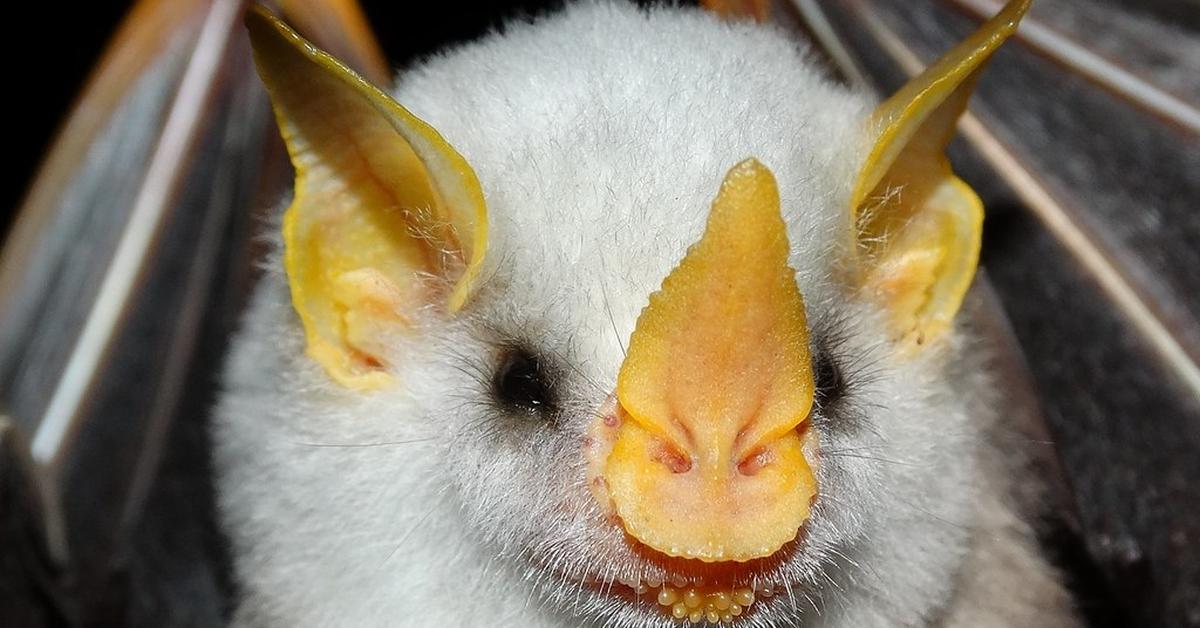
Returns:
(657,324)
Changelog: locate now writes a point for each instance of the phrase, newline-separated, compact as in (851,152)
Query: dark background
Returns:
(49,56)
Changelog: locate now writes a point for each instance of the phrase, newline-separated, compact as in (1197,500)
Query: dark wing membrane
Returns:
(119,285)
(1085,144)
(109,272)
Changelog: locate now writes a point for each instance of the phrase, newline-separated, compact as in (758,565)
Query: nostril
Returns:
(752,464)
(671,458)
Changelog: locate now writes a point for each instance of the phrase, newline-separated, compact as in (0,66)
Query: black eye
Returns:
(830,384)
(521,382)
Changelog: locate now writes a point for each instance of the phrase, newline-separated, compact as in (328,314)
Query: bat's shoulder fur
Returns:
(600,135)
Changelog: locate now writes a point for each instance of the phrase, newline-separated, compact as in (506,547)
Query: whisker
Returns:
(441,494)
(812,602)
(391,443)
(612,321)
(839,450)
(902,463)
(864,568)
(791,596)
(833,583)
(574,367)
(933,516)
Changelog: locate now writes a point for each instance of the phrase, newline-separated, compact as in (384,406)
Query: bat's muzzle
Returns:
(707,454)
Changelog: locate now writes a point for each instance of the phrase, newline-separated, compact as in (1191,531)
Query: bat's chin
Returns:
(656,590)
(702,601)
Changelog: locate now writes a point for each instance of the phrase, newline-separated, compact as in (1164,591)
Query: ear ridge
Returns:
(916,226)
(381,203)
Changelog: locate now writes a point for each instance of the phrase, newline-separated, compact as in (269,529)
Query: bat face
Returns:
(656,326)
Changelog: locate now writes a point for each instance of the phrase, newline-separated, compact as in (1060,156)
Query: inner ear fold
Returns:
(917,227)
(386,218)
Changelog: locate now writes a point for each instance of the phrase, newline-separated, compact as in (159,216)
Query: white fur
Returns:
(600,136)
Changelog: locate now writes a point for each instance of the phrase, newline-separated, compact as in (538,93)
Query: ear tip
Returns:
(264,24)
(257,16)
(1021,7)
(1011,14)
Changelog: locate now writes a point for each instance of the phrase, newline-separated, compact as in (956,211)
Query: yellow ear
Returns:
(382,205)
(917,226)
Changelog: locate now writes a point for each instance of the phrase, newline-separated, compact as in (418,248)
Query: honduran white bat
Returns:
(623,317)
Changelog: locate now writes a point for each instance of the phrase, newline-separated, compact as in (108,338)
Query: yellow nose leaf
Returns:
(709,462)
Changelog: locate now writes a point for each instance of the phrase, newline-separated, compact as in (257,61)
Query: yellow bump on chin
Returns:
(714,605)
(708,462)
